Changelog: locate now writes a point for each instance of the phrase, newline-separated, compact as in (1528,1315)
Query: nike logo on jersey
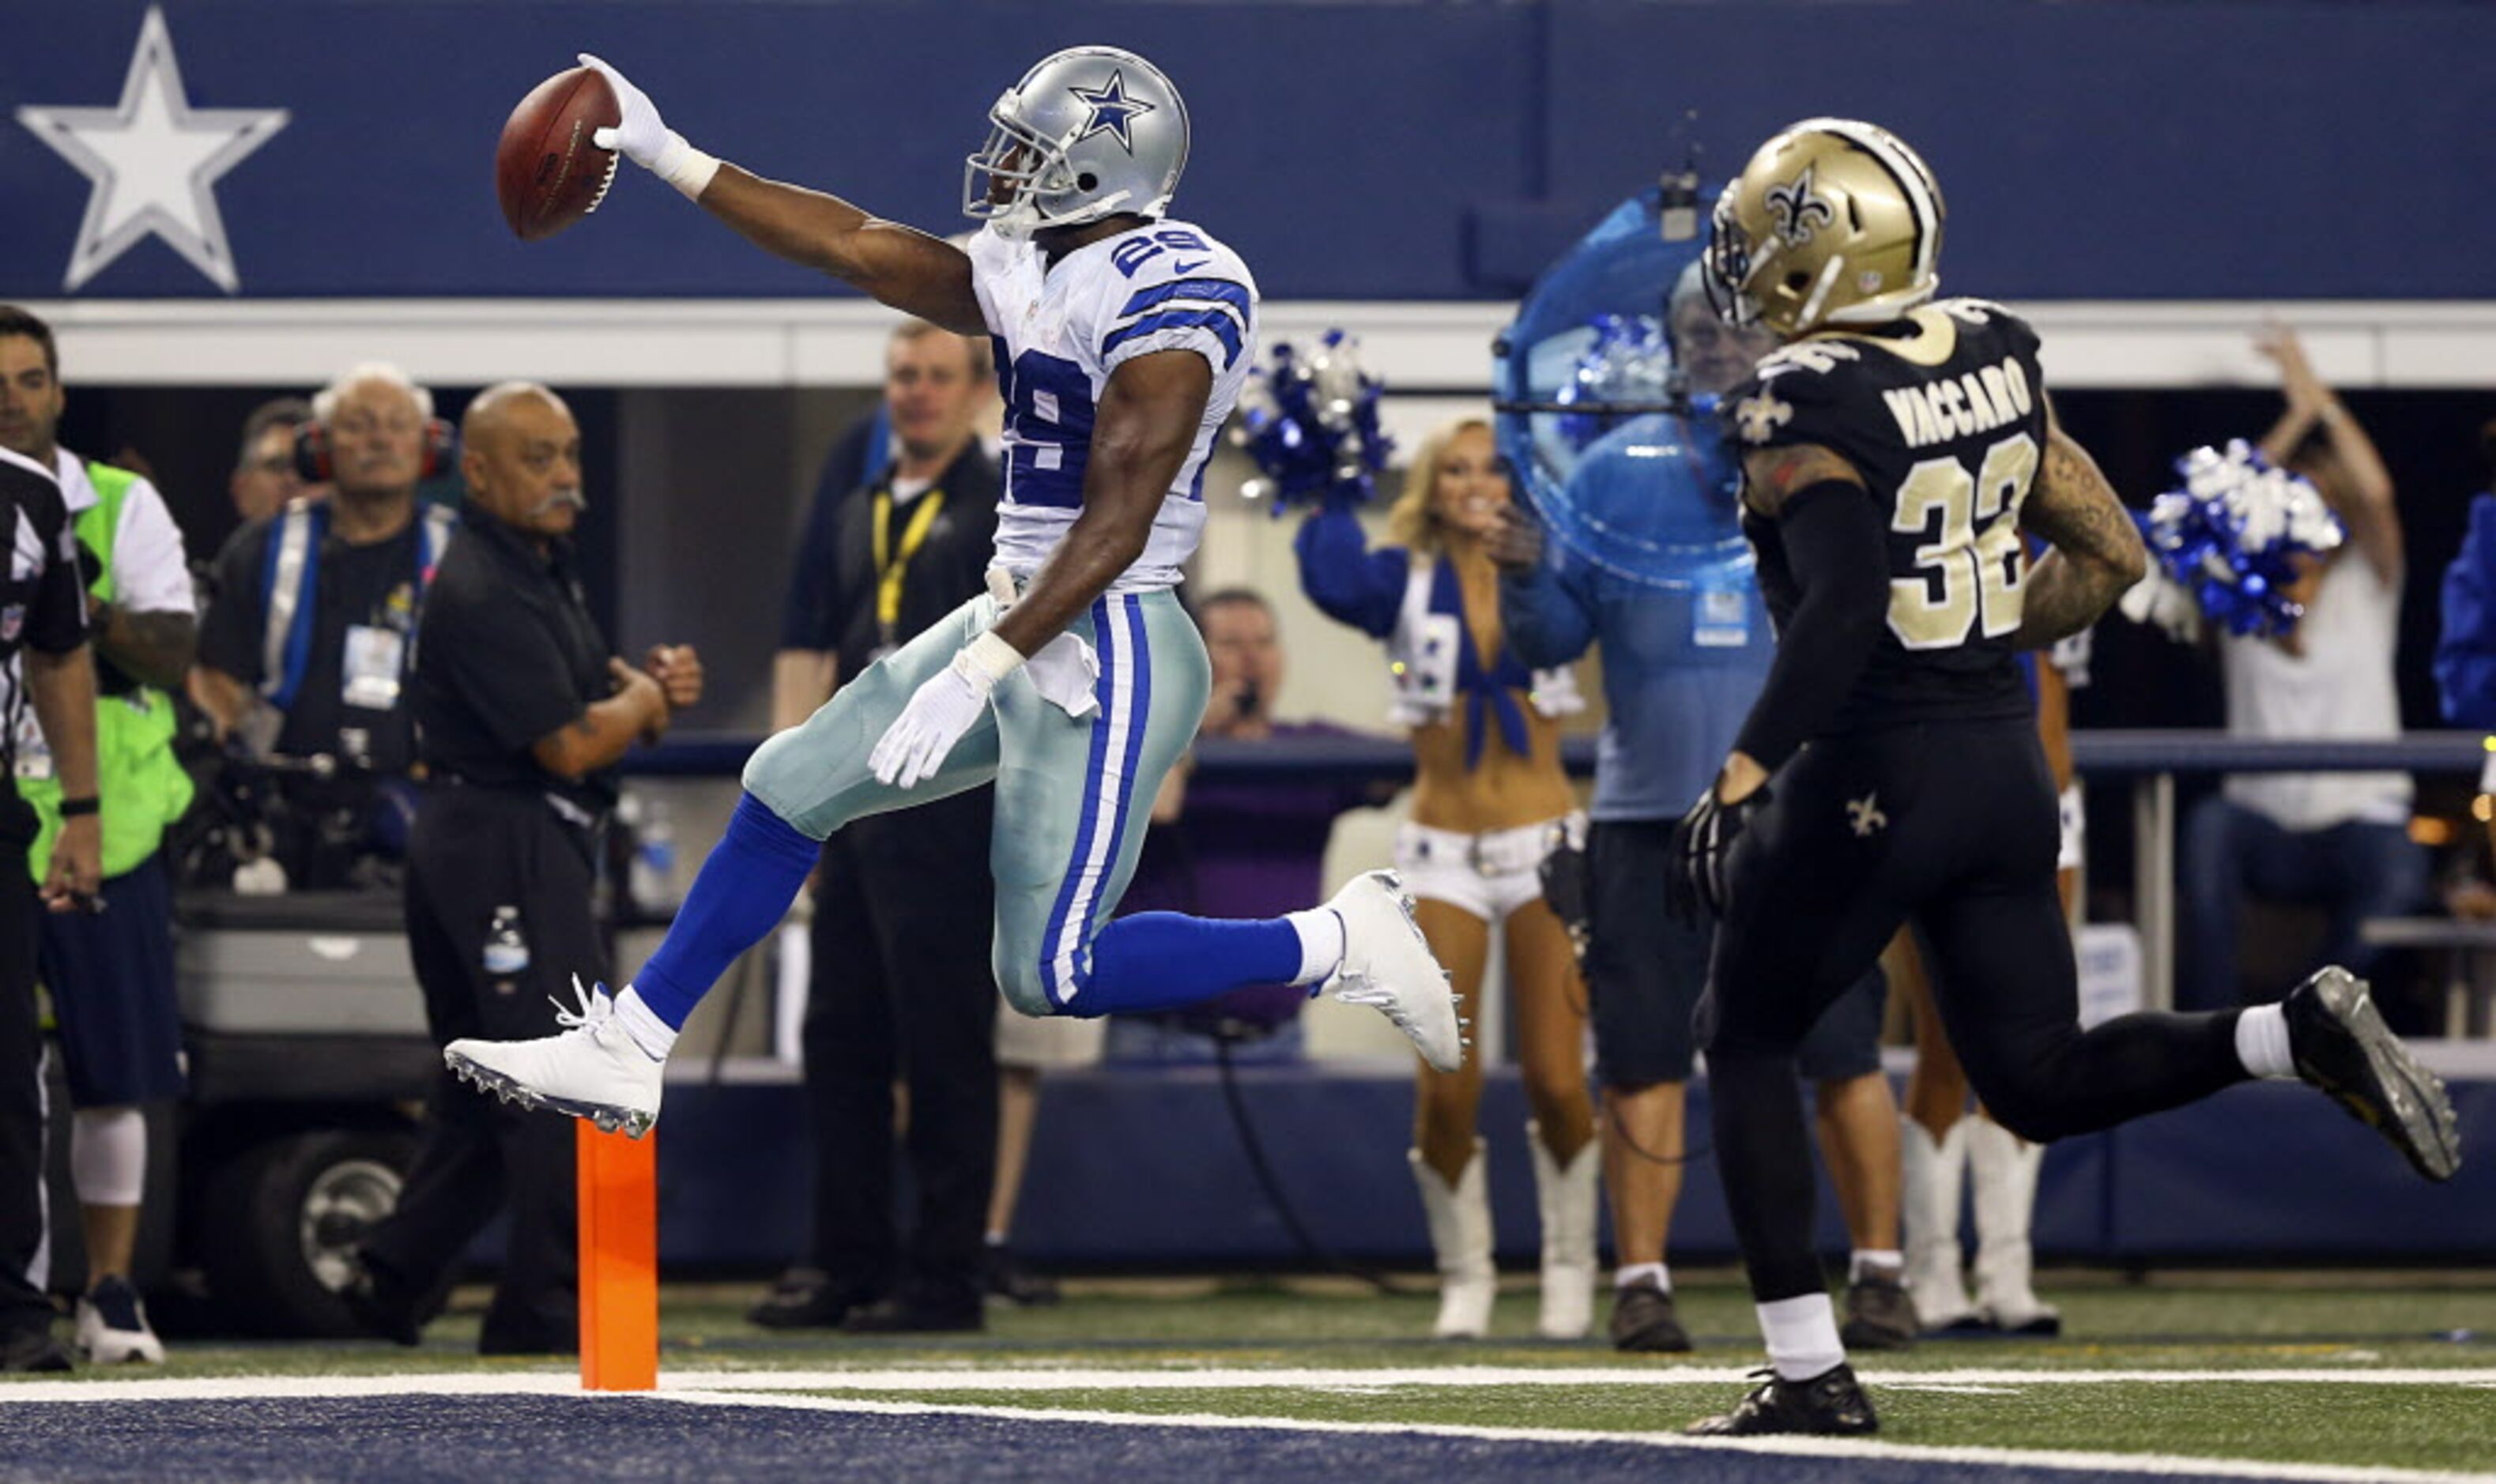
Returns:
(1956,407)
(1189,268)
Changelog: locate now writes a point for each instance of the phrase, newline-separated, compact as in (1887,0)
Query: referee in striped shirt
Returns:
(43,617)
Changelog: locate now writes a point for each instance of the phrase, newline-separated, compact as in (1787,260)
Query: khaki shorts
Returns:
(1048,1042)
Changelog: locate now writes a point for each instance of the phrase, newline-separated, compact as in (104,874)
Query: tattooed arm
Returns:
(155,647)
(1771,477)
(2096,551)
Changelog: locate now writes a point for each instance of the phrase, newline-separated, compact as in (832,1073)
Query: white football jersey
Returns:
(1059,333)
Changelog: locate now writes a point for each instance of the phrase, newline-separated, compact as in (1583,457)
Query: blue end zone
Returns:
(471,1439)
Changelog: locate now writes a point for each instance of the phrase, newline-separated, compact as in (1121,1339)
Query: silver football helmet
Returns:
(1088,132)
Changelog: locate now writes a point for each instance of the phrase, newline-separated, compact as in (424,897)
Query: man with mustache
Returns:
(522,713)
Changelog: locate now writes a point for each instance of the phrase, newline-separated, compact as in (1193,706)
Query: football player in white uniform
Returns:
(1123,340)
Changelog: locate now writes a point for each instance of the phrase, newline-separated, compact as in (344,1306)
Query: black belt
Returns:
(580,816)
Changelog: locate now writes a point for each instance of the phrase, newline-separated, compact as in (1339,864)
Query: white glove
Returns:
(644,138)
(2159,599)
(939,712)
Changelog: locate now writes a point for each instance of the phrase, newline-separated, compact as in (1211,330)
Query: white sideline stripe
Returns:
(1027,1380)
(2149,1465)
(1044,1380)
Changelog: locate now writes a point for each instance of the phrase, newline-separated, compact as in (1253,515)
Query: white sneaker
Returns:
(113,1327)
(1388,967)
(594,1069)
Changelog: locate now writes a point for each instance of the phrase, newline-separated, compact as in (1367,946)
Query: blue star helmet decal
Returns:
(1111,110)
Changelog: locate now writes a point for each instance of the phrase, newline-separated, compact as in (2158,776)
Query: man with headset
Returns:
(306,643)
(1680,668)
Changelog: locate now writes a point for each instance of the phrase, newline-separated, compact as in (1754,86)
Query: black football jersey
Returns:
(1944,414)
(42,606)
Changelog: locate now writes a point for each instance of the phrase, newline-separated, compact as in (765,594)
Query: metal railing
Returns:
(2152,759)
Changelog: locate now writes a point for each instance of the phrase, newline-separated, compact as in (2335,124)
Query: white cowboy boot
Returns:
(2003,1167)
(1566,1194)
(1459,1217)
(1929,1204)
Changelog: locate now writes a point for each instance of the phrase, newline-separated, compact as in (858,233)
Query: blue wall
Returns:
(1426,151)
(1144,1166)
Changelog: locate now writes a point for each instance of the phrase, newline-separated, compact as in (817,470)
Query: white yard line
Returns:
(1042,1380)
(1255,1379)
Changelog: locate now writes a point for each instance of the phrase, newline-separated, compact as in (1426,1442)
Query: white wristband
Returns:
(990,657)
(684,167)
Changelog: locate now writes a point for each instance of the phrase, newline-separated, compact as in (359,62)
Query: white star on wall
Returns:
(154,161)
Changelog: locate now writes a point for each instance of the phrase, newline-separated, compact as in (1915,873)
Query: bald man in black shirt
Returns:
(521,713)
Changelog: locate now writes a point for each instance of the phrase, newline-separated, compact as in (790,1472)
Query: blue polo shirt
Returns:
(1682,663)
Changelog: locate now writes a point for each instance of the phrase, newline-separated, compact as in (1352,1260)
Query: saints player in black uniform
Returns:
(1893,453)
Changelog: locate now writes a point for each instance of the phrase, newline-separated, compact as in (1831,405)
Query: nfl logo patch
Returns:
(12,619)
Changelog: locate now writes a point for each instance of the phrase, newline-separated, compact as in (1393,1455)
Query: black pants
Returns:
(1950,827)
(903,987)
(23,1304)
(473,852)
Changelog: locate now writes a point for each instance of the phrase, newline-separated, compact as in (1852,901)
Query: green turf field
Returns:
(1144,1347)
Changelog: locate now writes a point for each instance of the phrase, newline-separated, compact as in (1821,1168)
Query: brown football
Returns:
(546,171)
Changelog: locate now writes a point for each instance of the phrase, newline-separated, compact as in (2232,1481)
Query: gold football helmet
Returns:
(1833,222)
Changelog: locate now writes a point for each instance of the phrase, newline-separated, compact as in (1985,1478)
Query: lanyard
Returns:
(890,566)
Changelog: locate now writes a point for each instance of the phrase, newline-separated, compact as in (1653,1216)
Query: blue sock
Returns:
(1164,961)
(744,889)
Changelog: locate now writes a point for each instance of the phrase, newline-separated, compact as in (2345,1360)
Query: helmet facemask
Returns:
(1020,163)
(1728,266)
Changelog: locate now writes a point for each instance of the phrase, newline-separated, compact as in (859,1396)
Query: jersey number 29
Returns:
(1968,576)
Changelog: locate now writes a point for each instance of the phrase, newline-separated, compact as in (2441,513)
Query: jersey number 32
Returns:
(1969,573)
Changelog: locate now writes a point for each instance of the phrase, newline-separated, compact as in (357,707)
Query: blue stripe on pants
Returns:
(1122,691)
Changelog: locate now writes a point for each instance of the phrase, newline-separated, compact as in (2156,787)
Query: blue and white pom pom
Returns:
(2231,536)
(1311,424)
(1629,362)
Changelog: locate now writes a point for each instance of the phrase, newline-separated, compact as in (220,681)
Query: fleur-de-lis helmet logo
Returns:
(1796,212)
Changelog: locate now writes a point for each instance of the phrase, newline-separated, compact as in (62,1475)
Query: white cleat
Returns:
(113,1327)
(1388,967)
(592,1070)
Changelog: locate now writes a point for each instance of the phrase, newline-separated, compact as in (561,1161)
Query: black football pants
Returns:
(904,988)
(1952,828)
(474,851)
(22,1303)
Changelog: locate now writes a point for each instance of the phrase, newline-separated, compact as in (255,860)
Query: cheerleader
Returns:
(1489,798)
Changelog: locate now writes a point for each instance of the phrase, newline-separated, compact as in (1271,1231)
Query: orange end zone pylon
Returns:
(619,1260)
